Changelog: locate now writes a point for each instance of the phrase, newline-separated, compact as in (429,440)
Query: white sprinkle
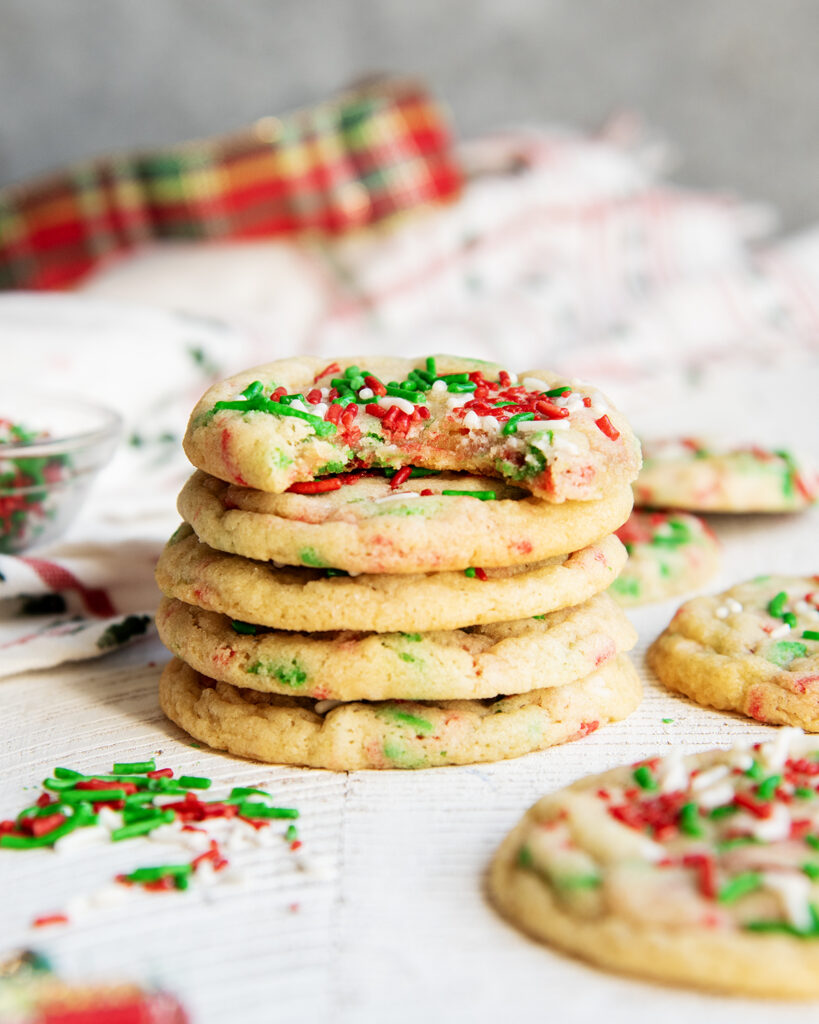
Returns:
(708,778)
(82,837)
(323,706)
(320,409)
(173,834)
(802,607)
(387,401)
(490,423)
(775,752)
(782,630)
(439,386)
(456,400)
(396,497)
(721,612)
(739,756)
(769,830)
(366,393)
(298,404)
(535,384)
(110,819)
(733,605)
(472,420)
(513,377)
(717,796)
(673,774)
(794,894)
(599,404)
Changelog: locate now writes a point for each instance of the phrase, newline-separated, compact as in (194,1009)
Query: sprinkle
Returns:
(134,767)
(48,919)
(511,425)
(315,486)
(246,628)
(740,886)
(194,782)
(607,427)
(644,778)
(401,477)
(254,809)
(689,820)
(140,828)
(810,634)
(766,790)
(777,604)
(481,495)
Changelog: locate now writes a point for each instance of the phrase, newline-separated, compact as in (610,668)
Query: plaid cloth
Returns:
(372,152)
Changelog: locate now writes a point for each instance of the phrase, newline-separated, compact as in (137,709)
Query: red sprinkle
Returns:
(759,810)
(333,368)
(314,396)
(707,869)
(608,428)
(481,573)
(160,773)
(296,844)
(374,385)
(47,919)
(400,477)
(376,410)
(426,492)
(315,486)
(277,394)
(45,824)
(333,414)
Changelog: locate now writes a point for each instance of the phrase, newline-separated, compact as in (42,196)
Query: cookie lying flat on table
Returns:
(393,734)
(478,662)
(668,553)
(298,419)
(311,600)
(753,649)
(689,474)
(699,870)
(368,524)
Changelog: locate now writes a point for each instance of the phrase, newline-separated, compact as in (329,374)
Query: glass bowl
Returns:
(51,448)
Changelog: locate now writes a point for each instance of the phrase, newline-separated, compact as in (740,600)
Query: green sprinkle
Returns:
(260,404)
(730,844)
(141,828)
(88,796)
(353,371)
(790,619)
(238,793)
(160,871)
(777,604)
(253,389)
(410,396)
(739,886)
(68,773)
(511,425)
(461,389)
(804,793)
(414,637)
(755,772)
(667,721)
(454,378)
(555,392)
(194,782)
(501,405)
(540,618)
(309,556)
(811,932)
(811,870)
(813,842)
(525,858)
(570,882)
(291,833)
(643,777)
(254,809)
(767,788)
(405,718)
(470,572)
(335,572)
(430,365)
(243,627)
(783,652)
(481,495)
(134,767)
(723,811)
(689,820)
(810,634)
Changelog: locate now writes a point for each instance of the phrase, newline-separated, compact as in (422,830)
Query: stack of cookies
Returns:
(398,564)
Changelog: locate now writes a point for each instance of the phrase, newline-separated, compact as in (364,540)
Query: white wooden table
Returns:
(382,915)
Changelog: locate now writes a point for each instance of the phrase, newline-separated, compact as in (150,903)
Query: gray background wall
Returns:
(733,82)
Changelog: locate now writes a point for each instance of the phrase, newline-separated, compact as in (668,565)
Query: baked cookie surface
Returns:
(311,599)
(753,648)
(690,473)
(668,553)
(366,524)
(393,734)
(700,870)
(297,419)
(484,661)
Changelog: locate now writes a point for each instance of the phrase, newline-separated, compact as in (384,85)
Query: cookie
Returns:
(689,474)
(699,870)
(297,419)
(310,599)
(668,553)
(477,662)
(393,734)
(753,649)
(366,524)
